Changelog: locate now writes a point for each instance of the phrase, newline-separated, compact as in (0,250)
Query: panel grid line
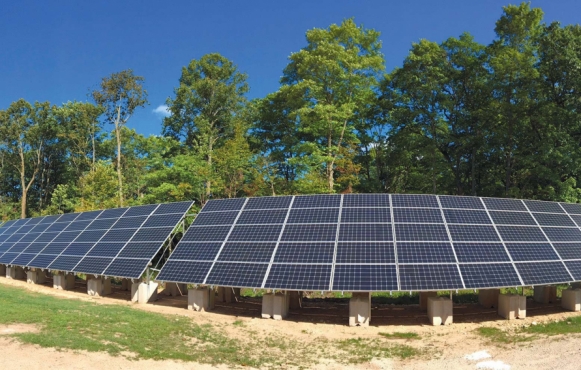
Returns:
(30,243)
(336,243)
(79,233)
(102,236)
(394,238)
(225,240)
(502,241)
(23,235)
(290,207)
(549,240)
(451,241)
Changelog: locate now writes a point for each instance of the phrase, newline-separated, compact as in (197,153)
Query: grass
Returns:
(572,325)
(362,350)
(501,337)
(398,335)
(125,331)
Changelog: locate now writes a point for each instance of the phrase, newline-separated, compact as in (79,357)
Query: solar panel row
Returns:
(117,242)
(379,242)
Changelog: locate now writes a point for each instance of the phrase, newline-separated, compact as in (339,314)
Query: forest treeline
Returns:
(457,117)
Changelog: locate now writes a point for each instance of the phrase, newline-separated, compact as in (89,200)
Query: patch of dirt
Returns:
(18,328)
(318,321)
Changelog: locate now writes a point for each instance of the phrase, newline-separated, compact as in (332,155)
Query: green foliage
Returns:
(457,117)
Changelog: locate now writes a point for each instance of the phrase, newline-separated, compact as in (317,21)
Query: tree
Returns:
(120,95)
(335,74)
(210,94)
(25,129)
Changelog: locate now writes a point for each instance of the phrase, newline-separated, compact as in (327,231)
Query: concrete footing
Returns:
(98,286)
(63,281)
(295,300)
(34,276)
(2,270)
(440,311)
(488,298)
(571,299)
(201,299)
(512,306)
(424,299)
(545,294)
(143,293)
(360,309)
(175,289)
(275,305)
(576,285)
(228,295)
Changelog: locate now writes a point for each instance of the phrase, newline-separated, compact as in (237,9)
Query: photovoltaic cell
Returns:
(541,206)
(365,233)
(313,216)
(512,218)
(462,216)
(504,204)
(196,251)
(417,215)
(366,215)
(429,277)
(562,234)
(237,274)
(305,253)
(366,200)
(425,252)
(294,277)
(365,278)
(420,232)
(460,202)
(125,267)
(224,205)
(247,252)
(215,218)
(551,219)
(481,252)
(489,275)
(255,233)
(315,233)
(531,251)
(575,269)
(184,271)
(360,252)
(568,251)
(268,203)
(414,200)
(572,208)
(477,233)
(262,217)
(317,201)
(538,273)
(521,234)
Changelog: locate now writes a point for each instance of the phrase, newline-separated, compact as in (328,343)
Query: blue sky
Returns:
(58,50)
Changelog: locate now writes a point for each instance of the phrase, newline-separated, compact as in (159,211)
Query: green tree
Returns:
(335,75)
(210,95)
(120,95)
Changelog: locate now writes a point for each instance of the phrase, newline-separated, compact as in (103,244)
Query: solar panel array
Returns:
(379,242)
(117,242)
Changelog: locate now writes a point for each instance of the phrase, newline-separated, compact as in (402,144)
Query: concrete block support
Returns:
(512,306)
(10,272)
(440,311)
(424,299)
(175,289)
(201,299)
(147,292)
(360,309)
(275,306)
(2,270)
(295,300)
(545,294)
(488,298)
(34,276)
(135,291)
(98,286)
(576,285)
(63,281)
(571,299)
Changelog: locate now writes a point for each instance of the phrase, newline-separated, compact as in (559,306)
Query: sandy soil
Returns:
(325,319)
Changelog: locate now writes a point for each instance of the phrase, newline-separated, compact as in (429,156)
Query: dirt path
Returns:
(447,345)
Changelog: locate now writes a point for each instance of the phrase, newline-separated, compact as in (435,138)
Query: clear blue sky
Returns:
(58,50)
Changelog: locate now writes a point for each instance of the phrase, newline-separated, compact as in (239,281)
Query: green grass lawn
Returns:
(122,330)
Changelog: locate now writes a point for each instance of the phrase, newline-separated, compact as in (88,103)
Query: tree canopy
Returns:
(456,117)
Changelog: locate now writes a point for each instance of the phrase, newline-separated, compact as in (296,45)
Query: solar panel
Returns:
(126,239)
(377,242)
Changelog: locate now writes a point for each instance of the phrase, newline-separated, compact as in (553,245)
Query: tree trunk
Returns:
(119,174)
(208,182)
